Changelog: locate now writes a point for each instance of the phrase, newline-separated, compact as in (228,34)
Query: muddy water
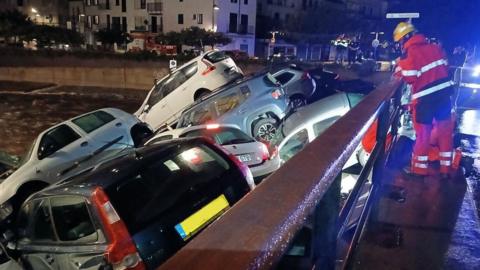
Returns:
(24,115)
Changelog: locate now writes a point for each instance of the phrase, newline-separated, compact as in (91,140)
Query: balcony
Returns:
(154,7)
(241,29)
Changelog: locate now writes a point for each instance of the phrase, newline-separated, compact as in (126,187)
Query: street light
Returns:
(215,7)
(34,10)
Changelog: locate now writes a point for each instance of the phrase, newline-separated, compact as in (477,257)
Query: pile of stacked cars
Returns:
(107,175)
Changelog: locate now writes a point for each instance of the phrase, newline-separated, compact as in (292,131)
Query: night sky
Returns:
(454,22)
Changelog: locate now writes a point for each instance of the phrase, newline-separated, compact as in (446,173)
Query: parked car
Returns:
(133,212)
(68,147)
(197,78)
(249,151)
(238,55)
(255,105)
(297,83)
(307,123)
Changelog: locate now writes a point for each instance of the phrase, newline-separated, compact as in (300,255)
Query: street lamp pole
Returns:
(214,8)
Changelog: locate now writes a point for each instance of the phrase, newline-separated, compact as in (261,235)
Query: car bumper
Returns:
(261,171)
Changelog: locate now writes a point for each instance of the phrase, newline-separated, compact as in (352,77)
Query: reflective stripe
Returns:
(432,90)
(421,165)
(410,73)
(432,65)
(445,163)
(445,154)
(422,158)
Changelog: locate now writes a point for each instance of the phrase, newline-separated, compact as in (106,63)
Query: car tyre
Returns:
(297,101)
(265,129)
(201,93)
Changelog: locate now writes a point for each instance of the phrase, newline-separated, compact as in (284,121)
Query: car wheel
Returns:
(297,101)
(265,129)
(201,93)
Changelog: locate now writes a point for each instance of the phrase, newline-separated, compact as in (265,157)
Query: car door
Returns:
(106,134)
(185,85)
(83,243)
(36,237)
(293,144)
(58,150)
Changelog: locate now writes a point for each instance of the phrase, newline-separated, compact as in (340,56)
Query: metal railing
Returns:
(154,6)
(258,230)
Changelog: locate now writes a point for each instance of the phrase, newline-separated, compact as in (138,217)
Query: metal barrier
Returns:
(256,232)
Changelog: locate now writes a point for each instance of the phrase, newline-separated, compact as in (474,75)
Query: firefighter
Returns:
(425,68)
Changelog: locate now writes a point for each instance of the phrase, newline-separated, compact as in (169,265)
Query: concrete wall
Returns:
(113,77)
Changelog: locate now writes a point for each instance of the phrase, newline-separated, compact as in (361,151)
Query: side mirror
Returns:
(47,147)
(146,108)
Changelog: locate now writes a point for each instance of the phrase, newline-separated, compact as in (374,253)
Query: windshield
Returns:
(222,135)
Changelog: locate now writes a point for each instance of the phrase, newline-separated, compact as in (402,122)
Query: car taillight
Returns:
(243,168)
(265,153)
(306,76)
(208,70)
(277,93)
(213,126)
(121,252)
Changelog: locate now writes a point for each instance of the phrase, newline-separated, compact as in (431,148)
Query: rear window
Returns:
(217,56)
(285,77)
(222,135)
(270,80)
(93,121)
(172,185)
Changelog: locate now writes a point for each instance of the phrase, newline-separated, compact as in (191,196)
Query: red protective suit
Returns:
(425,67)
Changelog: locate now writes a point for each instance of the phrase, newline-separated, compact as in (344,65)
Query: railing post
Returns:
(325,225)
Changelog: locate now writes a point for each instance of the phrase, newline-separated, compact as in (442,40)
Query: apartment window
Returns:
(200,18)
(20,3)
(232,26)
(269,2)
(180,18)
(234,1)
(245,2)
(140,4)
(107,4)
(116,23)
(108,21)
(117,2)
(88,2)
(96,20)
(124,5)
(140,23)
(124,24)
(95,2)
(243,24)
(89,21)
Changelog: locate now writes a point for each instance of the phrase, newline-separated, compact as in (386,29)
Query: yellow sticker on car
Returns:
(202,217)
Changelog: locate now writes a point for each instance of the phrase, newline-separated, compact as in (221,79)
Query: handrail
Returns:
(255,233)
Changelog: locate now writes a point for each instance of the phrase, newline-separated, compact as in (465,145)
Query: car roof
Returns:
(312,111)
(108,173)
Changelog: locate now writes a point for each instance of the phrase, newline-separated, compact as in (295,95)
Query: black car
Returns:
(133,212)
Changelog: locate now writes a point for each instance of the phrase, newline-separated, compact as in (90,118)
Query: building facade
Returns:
(235,18)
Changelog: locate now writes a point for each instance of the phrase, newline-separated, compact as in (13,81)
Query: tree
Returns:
(110,36)
(48,35)
(194,36)
(14,24)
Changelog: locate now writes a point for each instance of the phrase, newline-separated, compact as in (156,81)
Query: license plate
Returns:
(198,220)
(244,158)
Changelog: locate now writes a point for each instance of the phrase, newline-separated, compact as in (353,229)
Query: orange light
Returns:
(213,126)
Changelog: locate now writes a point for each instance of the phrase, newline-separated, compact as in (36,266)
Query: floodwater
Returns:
(23,115)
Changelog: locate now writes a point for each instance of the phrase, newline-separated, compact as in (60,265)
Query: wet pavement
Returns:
(25,113)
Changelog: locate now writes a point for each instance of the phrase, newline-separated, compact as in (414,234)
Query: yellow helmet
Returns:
(402,30)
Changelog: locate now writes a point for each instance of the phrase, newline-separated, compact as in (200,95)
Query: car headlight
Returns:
(6,210)
(476,71)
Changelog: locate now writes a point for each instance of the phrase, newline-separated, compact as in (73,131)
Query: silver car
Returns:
(249,151)
(69,147)
(297,83)
(255,105)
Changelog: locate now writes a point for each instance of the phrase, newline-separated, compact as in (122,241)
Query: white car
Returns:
(69,147)
(310,121)
(199,77)
(251,152)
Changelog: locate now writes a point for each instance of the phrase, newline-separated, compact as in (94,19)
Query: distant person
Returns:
(458,57)
(341,44)
(353,48)
(425,67)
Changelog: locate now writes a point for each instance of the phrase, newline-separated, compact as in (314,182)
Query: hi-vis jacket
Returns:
(424,66)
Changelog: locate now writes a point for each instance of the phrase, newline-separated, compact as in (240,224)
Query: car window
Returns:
(72,219)
(198,115)
(284,77)
(216,56)
(172,82)
(35,222)
(228,102)
(58,138)
(165,181)
(222,135)
(93,121)
(270,80)
(354,99)
(296,143)
(320,127)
